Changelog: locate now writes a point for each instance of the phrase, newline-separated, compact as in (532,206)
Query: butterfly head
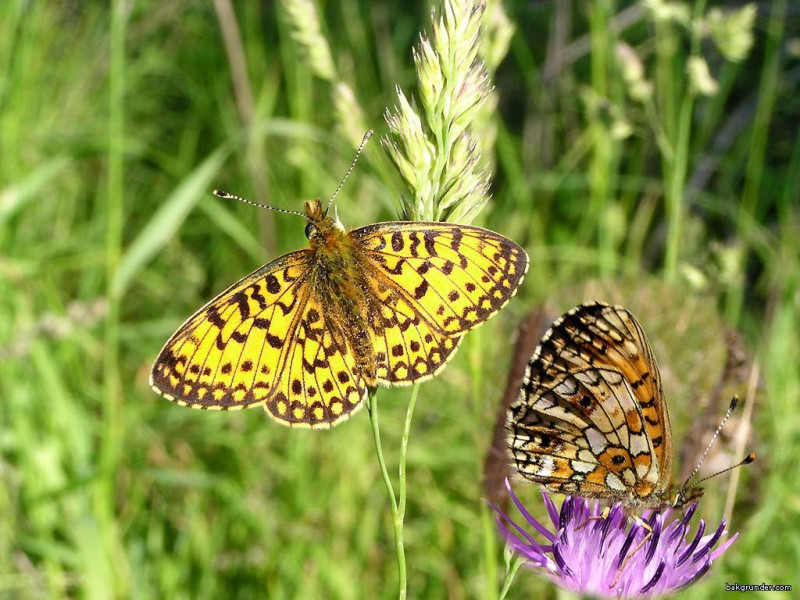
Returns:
(320,225)
(686,495)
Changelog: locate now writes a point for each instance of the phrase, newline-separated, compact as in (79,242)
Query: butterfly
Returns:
(307,335)
(590,419)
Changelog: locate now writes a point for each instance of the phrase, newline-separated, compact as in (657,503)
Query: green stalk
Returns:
(511,573)
(755,160)
(112,389)
(475,346)
(490,567)
(401,513)
(675,184)
(678,167)
(398,502)
(435,151)
(599,170)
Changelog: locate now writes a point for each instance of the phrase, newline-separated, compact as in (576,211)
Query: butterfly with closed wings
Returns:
(591,419)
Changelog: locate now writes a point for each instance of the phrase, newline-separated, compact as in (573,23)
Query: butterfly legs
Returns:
(601,517)
(623,562)
(624,551)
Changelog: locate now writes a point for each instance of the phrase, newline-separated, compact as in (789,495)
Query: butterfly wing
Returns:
(263,341)
(322,382)
(590,418)
(433,282)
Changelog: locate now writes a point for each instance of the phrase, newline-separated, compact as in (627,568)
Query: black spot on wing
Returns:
(397,241)
(273,285)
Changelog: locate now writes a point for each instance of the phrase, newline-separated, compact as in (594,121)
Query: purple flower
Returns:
(590,554)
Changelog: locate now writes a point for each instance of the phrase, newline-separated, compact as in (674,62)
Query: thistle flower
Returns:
(591,554)
(432,145)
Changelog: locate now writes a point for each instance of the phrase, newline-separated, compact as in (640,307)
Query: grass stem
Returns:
(768,90)
(397,515)
(114,216)
(511,573)
(675,177)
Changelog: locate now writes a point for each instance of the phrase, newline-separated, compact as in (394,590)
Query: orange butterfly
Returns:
(591,420)
(308,334)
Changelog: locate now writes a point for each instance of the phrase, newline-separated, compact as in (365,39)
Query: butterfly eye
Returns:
(311,231)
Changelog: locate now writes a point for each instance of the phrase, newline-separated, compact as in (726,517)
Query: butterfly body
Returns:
(307,335)
(590,419)
(338,275)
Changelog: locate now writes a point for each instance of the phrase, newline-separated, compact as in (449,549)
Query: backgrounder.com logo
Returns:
(758,587)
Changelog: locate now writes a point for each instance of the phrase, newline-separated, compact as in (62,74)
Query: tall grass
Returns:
(116,121)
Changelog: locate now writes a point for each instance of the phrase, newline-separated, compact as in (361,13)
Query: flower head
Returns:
(732,31)
(433,142)
(613,556)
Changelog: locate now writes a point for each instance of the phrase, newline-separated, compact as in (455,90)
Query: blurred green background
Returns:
(643,153)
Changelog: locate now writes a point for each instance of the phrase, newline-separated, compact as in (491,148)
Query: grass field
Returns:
(642,153)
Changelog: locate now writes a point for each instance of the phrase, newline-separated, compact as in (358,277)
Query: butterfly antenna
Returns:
(364,140)
(229,196)
(746,460)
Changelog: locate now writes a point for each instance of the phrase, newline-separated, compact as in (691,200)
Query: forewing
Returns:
(591,398)
(435,281)
(253,343)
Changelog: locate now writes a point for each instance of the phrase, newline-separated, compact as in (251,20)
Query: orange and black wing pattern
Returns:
(591,419)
